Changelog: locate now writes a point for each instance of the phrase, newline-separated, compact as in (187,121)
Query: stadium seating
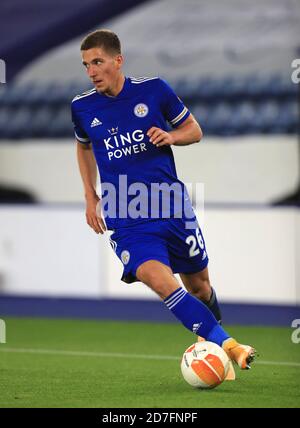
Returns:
(230,106)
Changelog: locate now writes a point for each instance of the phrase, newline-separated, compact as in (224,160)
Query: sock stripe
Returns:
(192,313)
(174,296)
(175,301)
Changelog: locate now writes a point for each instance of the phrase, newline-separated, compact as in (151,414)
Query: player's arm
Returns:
(88,171)
(188,132)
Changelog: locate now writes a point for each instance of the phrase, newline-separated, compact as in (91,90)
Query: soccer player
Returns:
(122,127)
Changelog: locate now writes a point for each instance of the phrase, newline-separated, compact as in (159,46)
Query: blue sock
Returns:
(195,316)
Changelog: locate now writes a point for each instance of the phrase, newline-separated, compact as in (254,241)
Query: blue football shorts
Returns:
(165,240)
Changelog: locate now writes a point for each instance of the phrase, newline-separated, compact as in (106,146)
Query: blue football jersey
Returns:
(130,166)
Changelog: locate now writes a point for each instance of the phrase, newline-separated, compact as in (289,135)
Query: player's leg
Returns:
(193,314)
(189,310)
(187,252)
(158,277)
(188,256)
(198,284)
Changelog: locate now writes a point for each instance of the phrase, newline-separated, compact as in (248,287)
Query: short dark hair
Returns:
(106,39)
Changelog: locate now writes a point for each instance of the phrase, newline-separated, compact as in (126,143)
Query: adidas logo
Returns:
(95,122)
(196,327)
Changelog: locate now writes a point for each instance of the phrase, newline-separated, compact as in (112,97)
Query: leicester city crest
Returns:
(125,256)
(141,110)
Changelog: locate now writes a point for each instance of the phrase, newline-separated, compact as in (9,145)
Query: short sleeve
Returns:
(80,135)
(175,112)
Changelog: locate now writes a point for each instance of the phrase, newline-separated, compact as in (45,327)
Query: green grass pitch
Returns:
(79,363)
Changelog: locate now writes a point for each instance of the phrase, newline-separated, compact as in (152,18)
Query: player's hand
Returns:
(93,214)
(159,138)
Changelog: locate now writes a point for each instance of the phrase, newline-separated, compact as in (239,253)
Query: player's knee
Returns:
(160,285)
(203,290)
(145,272)
(159,280)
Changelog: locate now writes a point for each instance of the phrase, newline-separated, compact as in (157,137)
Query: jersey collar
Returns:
(121,93)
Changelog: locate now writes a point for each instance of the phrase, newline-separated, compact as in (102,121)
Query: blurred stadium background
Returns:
(231,64)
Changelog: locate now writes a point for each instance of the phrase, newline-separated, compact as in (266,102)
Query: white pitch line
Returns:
(87,354)
(119,355)
(278,363)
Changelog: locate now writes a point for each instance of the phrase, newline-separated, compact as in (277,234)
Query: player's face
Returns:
(102,68)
